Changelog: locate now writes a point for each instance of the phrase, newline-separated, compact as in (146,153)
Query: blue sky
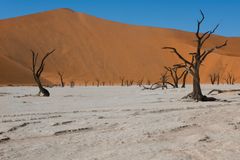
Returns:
(178,14)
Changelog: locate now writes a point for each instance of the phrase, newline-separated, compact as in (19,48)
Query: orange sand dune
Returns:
(90,48)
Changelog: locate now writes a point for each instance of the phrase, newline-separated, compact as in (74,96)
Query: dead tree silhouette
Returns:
(85,82)
(140,82)
(174,73)
(61,79)
(184,79)
(214,78)
(230,79)
(72,84)
(148,82)
(160,84)
(103,83)
(38,71)
(131,82)
(197,58)
(98,82)
(127,83)
(122,80)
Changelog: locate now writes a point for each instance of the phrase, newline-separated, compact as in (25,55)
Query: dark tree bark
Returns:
(184,79)
(61,79)
(223,91)
(198,58)
(218,79)
(38,71)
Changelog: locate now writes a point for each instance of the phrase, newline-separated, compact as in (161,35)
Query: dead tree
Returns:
(214,78)
(122,80)
(153,86)
(197,58)
(160,84)
(131,82)
(85,82)
(218,91)
(148,82)
(174,73)
(103,83)
(110,83)
(98,82)
(127,83)
(72,84)
(230,79)
(184,79)
(61,79)
(140,82)
(164,79)
(38,71)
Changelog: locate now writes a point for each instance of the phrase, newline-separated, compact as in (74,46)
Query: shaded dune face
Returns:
(90,48)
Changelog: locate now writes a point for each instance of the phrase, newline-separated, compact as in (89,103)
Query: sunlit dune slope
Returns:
(90,48)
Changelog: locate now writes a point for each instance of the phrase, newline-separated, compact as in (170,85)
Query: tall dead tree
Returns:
(61,79)
(37,71)
(197,58)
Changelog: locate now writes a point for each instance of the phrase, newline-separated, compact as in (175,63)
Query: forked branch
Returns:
(38,71)
(174,50)
(209,51)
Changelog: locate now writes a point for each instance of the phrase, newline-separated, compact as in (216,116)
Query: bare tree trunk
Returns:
(37,72)
(197,92)
(122,80)
(72,84)
(86,83)
(184,79)
(42,90)
(61,79)
(218,79)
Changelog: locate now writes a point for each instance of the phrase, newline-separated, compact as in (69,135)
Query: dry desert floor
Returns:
(118,123)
